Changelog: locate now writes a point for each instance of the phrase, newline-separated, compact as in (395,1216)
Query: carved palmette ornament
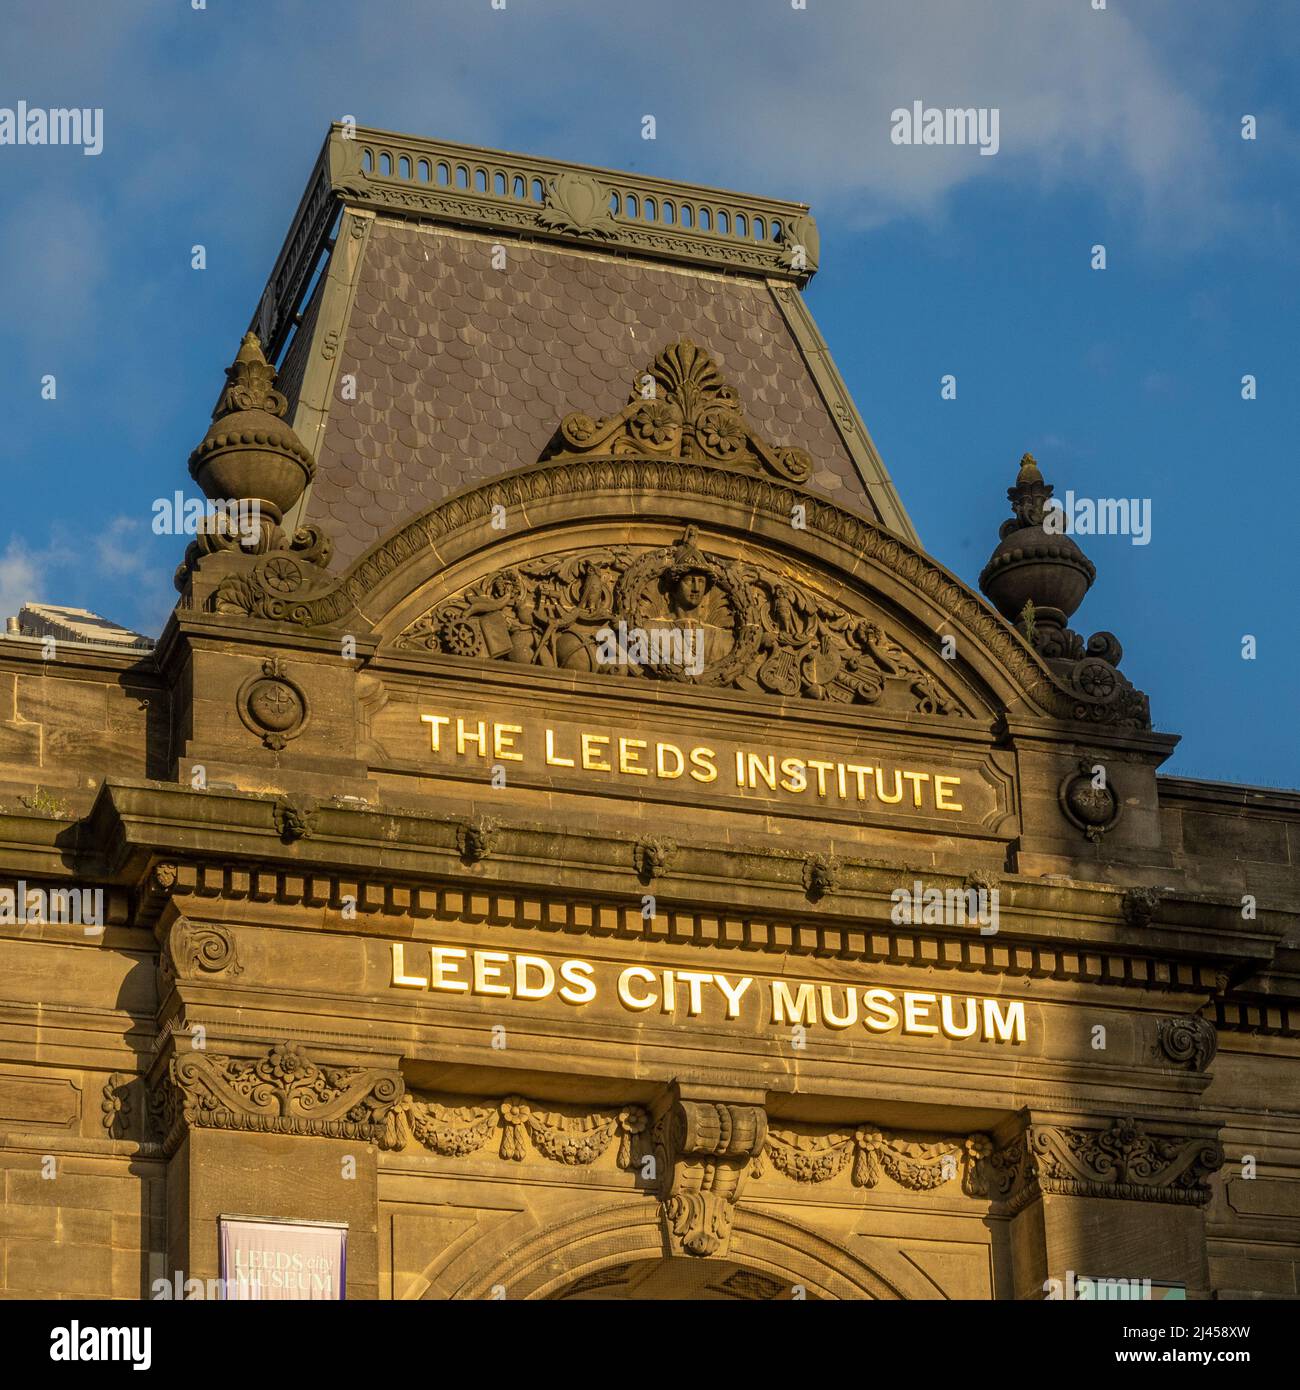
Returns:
(619,611)
(284,1092)
(680,407)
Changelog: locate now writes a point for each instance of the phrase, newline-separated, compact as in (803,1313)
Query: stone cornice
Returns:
(525,195)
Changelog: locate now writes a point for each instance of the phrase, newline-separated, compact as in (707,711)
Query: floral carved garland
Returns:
(919,1167)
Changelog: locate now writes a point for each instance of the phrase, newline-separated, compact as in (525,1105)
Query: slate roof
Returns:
(464,371)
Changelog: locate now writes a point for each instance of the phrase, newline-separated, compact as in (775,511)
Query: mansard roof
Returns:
(476,298)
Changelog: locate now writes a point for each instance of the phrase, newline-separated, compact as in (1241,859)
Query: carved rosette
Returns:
(1124,1161)
(680,408)
(703,1151)
(194,949)
(284,1092)
(628,613)
(1187,1042)
(870,1153)
(115,1108)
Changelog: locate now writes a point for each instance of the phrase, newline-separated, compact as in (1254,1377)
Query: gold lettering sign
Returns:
(644,989)
(876,784)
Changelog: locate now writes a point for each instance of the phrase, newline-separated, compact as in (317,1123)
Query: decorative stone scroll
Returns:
(194,949)
(1187,1042)
(680,408)
(749,628)
(284,1092)
(871,1153)
(703,1150)
(1124,1161)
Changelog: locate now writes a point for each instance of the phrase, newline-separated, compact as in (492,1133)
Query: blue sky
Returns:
(1119,127)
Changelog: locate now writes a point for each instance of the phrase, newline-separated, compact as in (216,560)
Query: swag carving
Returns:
(1123,1161)
(870,1153)
(454,1131)
(680,408)
(680,614)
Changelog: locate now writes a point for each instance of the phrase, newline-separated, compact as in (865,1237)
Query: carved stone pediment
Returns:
(679,614)
(680,408)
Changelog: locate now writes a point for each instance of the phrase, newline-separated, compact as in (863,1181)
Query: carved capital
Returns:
(1124,1161)
(1187,1042)
(704,1149)
(284,1092)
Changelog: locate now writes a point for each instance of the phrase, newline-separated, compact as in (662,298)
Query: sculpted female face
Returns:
(689,590)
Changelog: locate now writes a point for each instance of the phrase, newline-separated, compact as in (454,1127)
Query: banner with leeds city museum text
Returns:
(273,1260)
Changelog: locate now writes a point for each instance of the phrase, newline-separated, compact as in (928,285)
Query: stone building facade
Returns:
(575,838)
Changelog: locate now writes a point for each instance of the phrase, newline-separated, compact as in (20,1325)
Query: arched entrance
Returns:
(678,1279)
(618,1252)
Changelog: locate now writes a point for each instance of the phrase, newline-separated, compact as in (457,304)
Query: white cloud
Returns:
(21,580)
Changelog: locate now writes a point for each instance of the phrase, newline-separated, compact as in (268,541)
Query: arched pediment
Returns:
(805,599)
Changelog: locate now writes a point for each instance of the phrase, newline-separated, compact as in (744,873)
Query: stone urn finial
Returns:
(250,453)
(1035,563)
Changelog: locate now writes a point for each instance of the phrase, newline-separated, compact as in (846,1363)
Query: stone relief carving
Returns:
(815,1158)
(819,875)
(279,588)
(1141,906)
(294,819)
(284,1092)
(1191,1042)
(680,407)
(1122,1161)
(754,630)
(523,1126)
(651,857)
(198,948)
(1093,809)
(475,838)
(703,1151)
(272,706)
(115,1108)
